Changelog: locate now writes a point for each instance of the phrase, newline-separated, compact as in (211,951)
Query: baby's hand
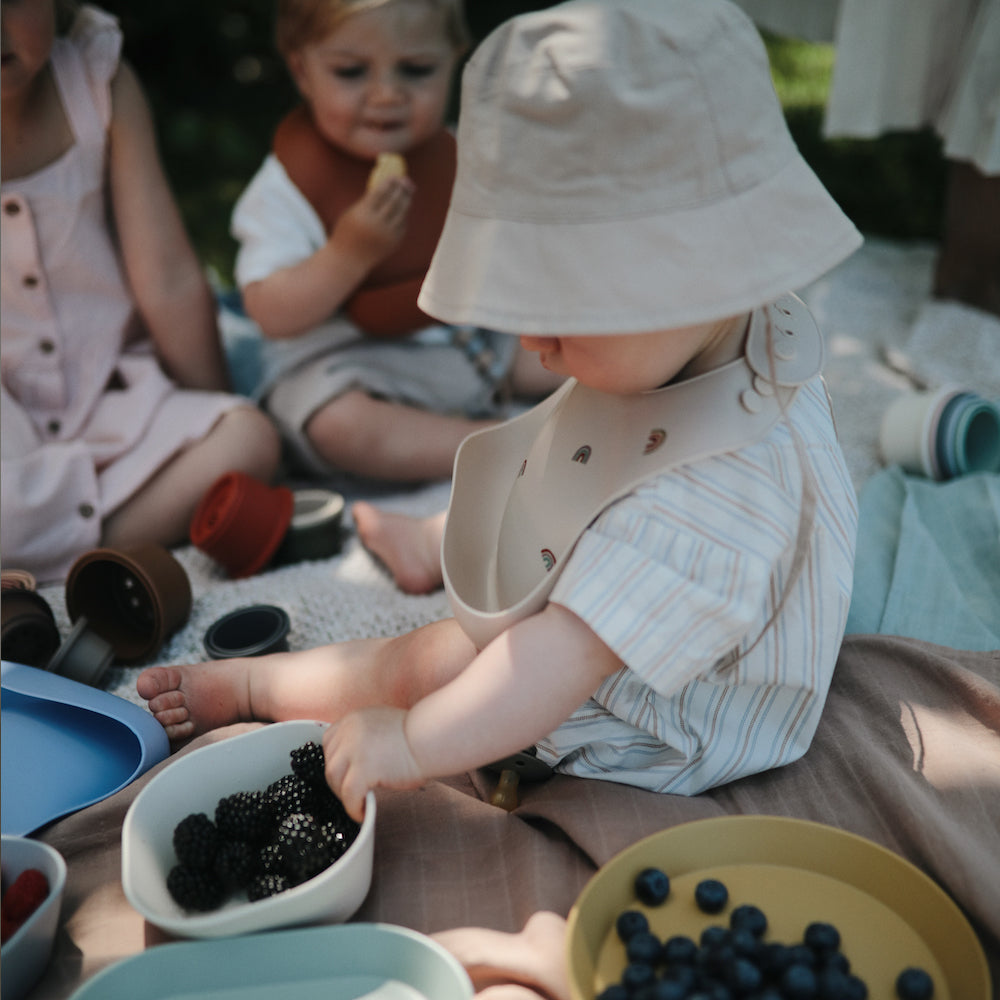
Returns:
(376,223)
(366,750)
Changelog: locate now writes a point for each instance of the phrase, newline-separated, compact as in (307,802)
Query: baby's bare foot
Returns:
(193,699)
(409,547)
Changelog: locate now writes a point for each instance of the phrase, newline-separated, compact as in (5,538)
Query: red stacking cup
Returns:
(241,521)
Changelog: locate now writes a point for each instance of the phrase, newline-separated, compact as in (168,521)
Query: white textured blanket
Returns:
(883,332)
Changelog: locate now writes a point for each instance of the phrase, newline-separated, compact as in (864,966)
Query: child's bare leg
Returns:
(410,547)
(323,683)
(359,434)
(243,439)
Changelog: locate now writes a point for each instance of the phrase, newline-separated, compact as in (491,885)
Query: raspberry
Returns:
(196,841)
(246,816)
(27,892)
(194,888)
(308,762)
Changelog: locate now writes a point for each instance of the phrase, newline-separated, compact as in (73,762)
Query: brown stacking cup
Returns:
(132,598)
(28,633)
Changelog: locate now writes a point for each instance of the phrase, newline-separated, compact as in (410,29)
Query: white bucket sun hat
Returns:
(624,166)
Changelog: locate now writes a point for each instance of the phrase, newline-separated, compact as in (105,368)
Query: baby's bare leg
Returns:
(410,547)
(244,440)
(388,440)
(323,683)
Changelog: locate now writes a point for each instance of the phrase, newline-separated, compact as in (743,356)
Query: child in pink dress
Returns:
(116,418)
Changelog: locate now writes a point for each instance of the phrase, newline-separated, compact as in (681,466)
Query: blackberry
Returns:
(246,816)
(301,847)
(264,885)
(308,762)
(194,888)
(290,794)
(337,839)
(196,840)
(235,864)
(269,860)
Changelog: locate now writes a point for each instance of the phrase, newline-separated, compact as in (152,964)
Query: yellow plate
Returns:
(890,915)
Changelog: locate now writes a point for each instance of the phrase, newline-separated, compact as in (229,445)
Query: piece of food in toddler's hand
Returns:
(386,165)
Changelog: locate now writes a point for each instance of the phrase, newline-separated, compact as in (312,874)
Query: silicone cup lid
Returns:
(241,521)
(250,631)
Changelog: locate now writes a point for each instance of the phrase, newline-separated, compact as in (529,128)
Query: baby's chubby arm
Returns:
(297,298)
(517,690)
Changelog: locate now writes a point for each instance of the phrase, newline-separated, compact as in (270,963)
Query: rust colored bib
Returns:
(385,305)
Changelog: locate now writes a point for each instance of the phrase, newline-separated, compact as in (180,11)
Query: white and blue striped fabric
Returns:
(679,579)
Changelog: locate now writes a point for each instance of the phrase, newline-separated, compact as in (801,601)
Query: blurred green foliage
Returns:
(217,88)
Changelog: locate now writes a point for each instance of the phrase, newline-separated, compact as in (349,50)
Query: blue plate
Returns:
(66,745)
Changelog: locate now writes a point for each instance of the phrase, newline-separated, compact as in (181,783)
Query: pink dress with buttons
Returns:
(88,415)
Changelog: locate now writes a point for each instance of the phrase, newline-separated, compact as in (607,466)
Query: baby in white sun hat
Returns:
(651,570)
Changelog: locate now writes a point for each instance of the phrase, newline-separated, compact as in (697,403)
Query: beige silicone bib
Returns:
(525,491)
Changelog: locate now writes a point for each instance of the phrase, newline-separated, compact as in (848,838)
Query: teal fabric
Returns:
(928,560)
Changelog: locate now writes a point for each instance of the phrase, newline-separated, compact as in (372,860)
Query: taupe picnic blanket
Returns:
(907,754)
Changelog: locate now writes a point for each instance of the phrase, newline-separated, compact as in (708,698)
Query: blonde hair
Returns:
(299,22)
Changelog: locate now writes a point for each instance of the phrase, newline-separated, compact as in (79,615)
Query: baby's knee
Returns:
(342,430)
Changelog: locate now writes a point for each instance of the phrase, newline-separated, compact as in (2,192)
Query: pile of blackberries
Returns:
(733,961)
(264,841)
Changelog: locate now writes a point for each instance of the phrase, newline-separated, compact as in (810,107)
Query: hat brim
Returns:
(654,272)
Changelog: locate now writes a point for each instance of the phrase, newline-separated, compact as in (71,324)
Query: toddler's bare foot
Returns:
(193,699)
(409,547)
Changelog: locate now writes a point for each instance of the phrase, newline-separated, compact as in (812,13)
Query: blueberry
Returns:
(914,984)
(745,944)
(714,937)
(679,950)
(614,992)
(856,989)
(666,989)
(799,983)
(743,976)
(637,975)
(711,895)
(749,918)
(643,947)
(822,937)
(652,886)
(630,922)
